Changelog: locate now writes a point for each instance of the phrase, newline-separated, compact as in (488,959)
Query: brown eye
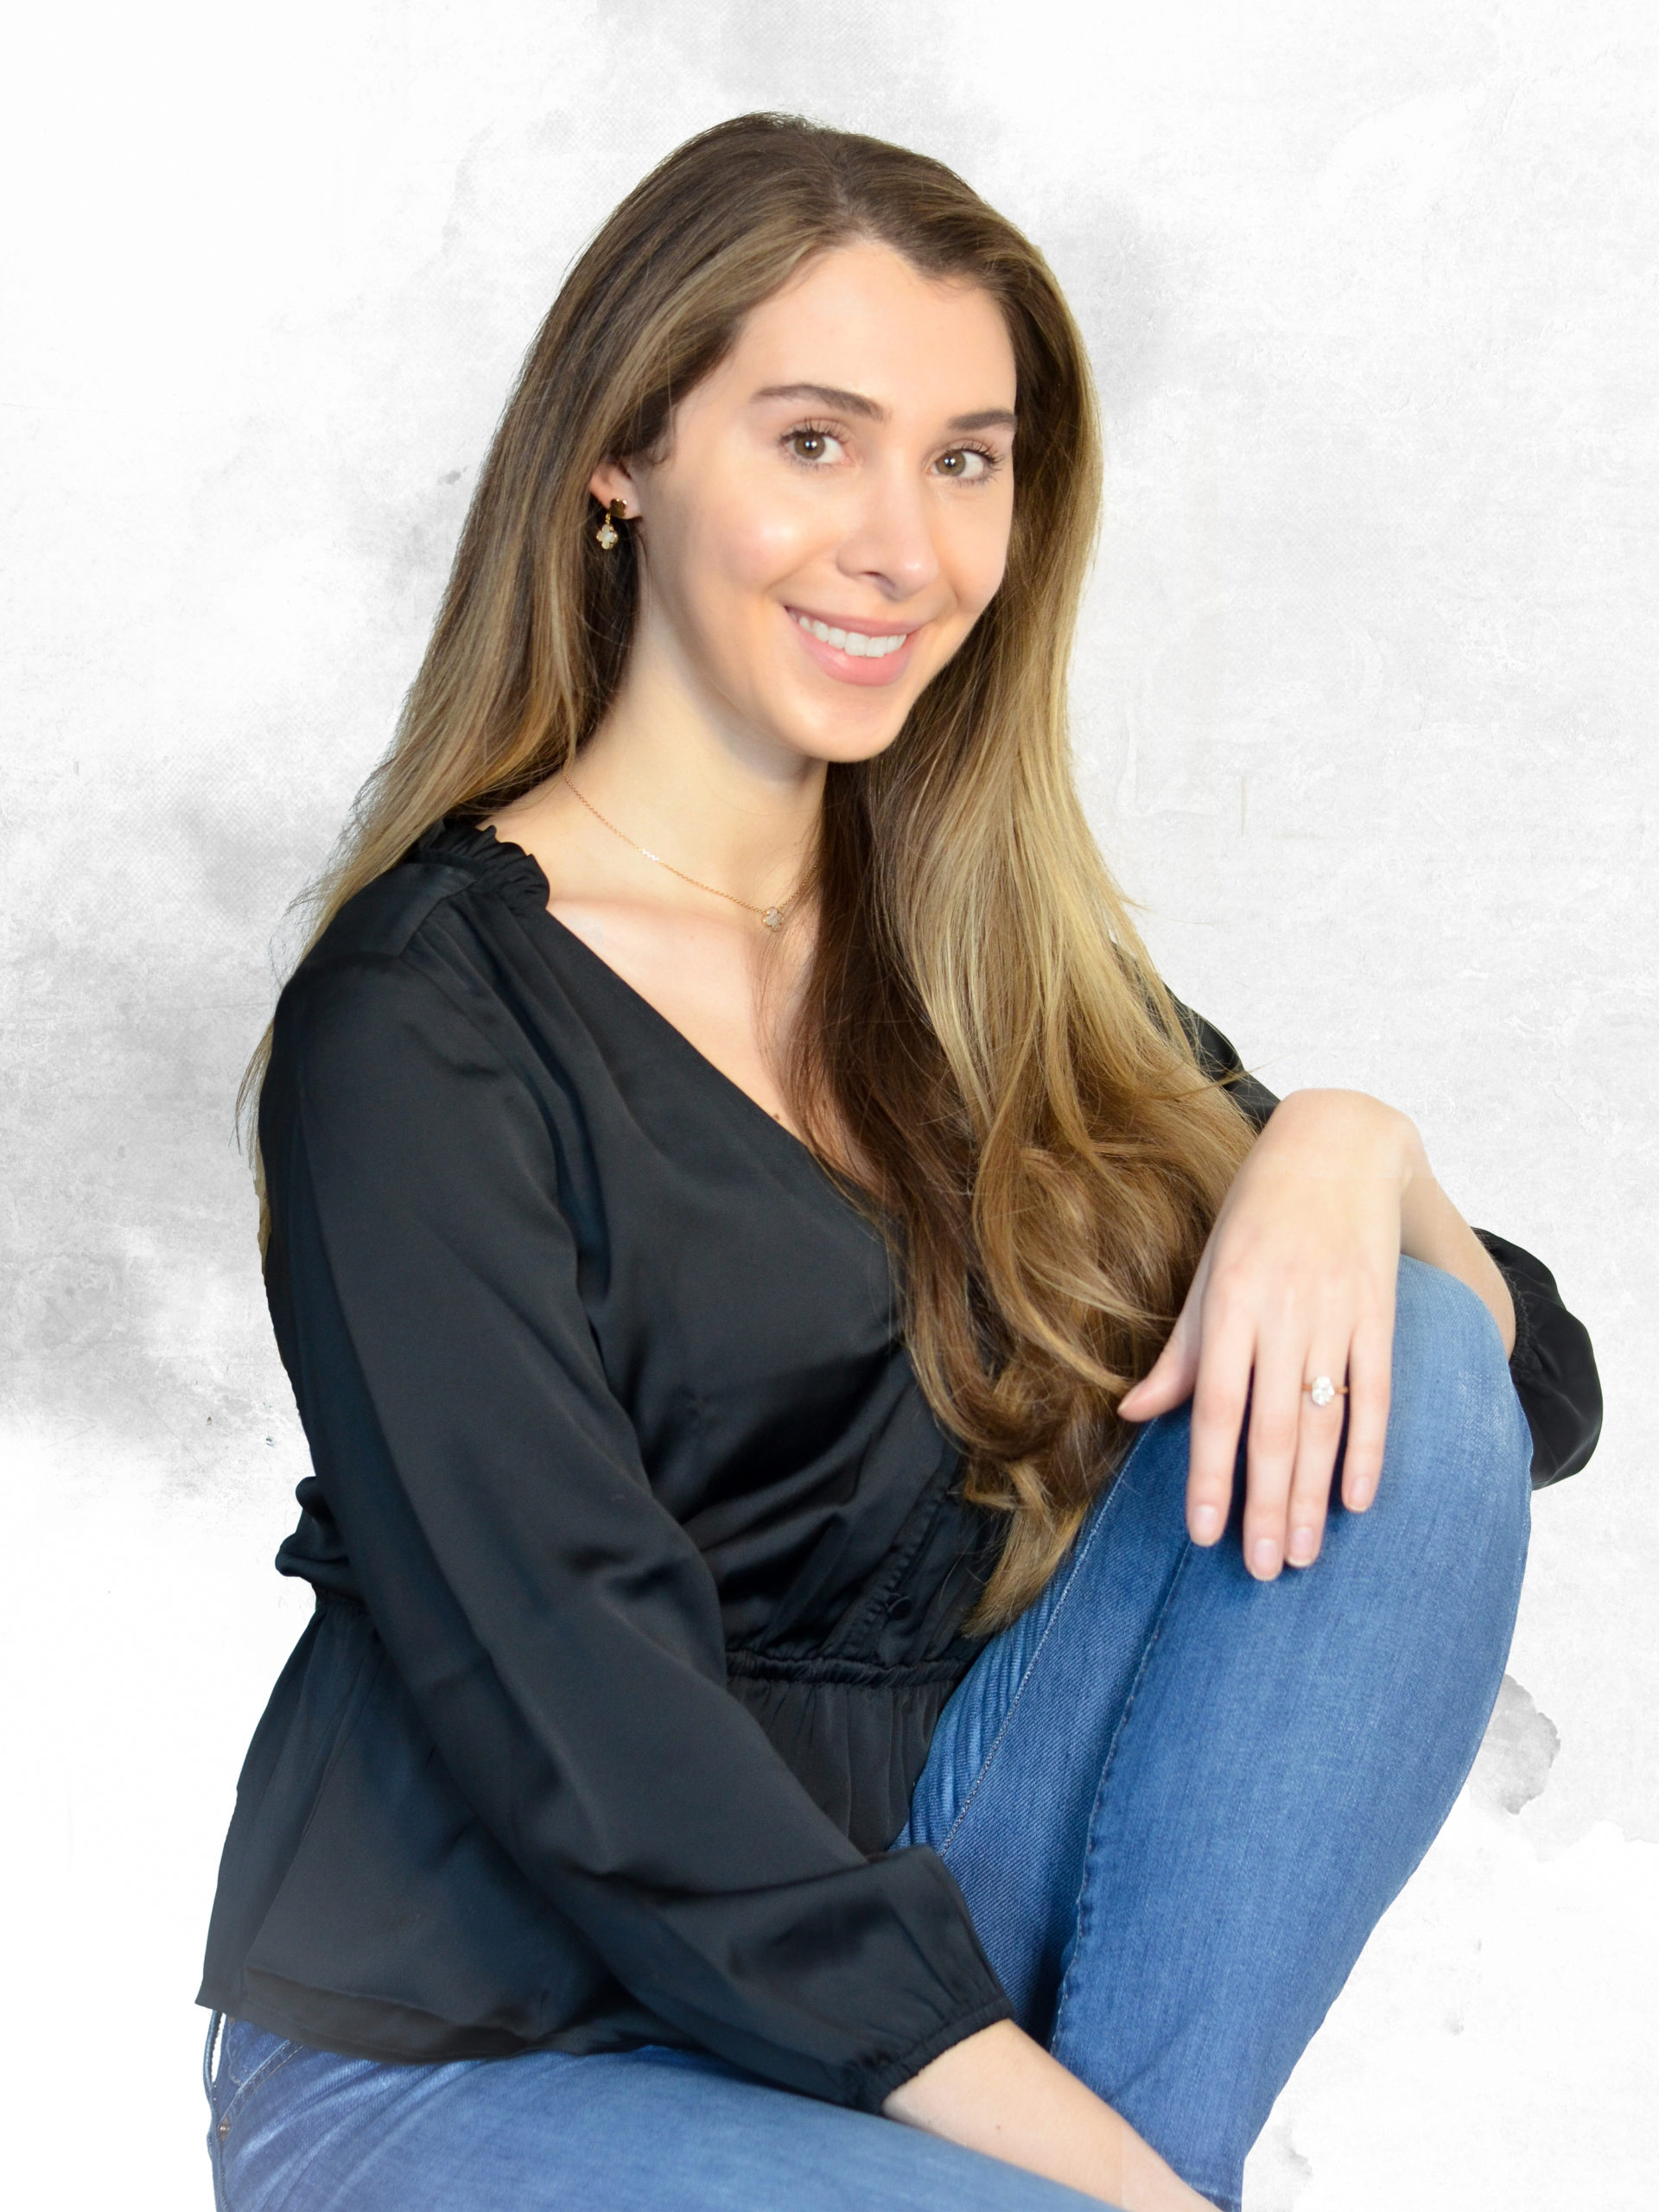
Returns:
(967,464)
(810,446)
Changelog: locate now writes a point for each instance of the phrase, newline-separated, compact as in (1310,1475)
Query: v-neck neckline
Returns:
(661,1020)
(489,840)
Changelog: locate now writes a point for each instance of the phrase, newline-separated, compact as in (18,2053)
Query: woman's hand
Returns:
(1001,2093)
(1297,1281)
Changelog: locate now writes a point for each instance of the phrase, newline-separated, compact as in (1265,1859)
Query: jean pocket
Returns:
(248,2057)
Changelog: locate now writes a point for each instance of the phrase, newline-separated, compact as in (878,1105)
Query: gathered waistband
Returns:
(859,1674)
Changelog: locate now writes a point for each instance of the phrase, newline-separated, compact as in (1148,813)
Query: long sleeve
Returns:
(1552,1365)
(557,1629)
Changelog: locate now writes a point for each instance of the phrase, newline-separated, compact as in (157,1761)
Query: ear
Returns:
(611,480)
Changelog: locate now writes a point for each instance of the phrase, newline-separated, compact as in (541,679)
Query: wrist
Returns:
(1001,2093)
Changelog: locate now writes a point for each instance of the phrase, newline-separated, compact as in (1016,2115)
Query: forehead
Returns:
(861,318)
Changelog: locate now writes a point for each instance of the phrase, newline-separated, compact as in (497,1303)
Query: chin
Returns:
(843,745)
(865,725)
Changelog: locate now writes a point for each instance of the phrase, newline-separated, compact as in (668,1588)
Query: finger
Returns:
(1370,1378)
(1168,1381)
(1275,1424)
(1220,1391)
(1318,1433)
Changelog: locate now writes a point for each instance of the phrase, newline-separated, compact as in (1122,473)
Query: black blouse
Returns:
(638,1558)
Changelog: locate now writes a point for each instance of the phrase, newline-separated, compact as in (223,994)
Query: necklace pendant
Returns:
(773,918)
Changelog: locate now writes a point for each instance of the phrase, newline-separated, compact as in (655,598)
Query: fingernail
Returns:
(1264,1558)
(1205,1523)
(1360,1497)
(1303,1545)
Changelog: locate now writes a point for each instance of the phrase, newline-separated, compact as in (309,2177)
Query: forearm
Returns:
(1431,1229)
(999,2093)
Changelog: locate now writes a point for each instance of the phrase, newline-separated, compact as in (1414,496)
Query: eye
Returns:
(810,442)
(969,464)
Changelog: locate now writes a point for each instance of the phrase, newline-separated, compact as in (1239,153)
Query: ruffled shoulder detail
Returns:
(506,868)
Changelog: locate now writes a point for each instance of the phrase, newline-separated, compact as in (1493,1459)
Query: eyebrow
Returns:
(854,403)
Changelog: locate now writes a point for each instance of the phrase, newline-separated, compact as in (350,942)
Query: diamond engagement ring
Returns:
(1322,1390)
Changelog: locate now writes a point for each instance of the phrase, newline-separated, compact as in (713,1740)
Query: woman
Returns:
(814,1362)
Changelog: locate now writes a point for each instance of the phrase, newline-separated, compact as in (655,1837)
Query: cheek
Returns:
(744,544)
(729,566)
(982,557)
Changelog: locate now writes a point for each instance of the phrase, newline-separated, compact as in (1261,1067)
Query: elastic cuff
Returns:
(1518,1291)
(1523,1356)
(874,2088)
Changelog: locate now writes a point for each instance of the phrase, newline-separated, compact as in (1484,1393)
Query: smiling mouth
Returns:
(861,644)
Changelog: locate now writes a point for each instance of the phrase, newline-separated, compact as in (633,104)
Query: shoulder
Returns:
(400,980)
(453,865)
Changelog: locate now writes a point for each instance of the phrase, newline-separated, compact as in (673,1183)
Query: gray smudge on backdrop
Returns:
(1514,1762)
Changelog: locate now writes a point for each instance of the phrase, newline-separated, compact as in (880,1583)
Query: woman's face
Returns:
(845,475)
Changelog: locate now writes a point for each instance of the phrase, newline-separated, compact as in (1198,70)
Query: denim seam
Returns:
(267,2067)
(1048,1630)
(1107,1765)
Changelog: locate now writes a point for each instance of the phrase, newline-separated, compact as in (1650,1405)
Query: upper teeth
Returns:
(852,641)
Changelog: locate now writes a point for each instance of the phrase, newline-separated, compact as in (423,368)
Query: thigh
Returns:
(653,2129)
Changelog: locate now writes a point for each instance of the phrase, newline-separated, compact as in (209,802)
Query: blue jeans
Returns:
(1177,1800)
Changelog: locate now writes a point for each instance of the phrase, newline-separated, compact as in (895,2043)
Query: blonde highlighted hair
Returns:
(980,1018)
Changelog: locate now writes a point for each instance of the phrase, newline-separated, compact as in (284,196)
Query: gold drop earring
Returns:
(606,534)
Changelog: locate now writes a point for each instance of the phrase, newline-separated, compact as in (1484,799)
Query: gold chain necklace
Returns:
(773,916)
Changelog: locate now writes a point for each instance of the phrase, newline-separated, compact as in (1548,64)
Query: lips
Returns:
(852,660)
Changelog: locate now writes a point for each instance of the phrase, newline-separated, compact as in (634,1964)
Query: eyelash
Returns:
(993,460)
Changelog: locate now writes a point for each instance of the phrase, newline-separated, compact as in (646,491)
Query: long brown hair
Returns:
(979,1012)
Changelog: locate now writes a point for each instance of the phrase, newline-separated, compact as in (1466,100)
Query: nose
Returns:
(889,541)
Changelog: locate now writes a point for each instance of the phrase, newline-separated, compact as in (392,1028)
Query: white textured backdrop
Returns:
(1366,717)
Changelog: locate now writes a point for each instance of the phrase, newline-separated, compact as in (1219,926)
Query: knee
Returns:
(1445,1338)
(1453,1411)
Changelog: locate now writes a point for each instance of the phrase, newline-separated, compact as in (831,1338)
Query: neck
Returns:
(677,775)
